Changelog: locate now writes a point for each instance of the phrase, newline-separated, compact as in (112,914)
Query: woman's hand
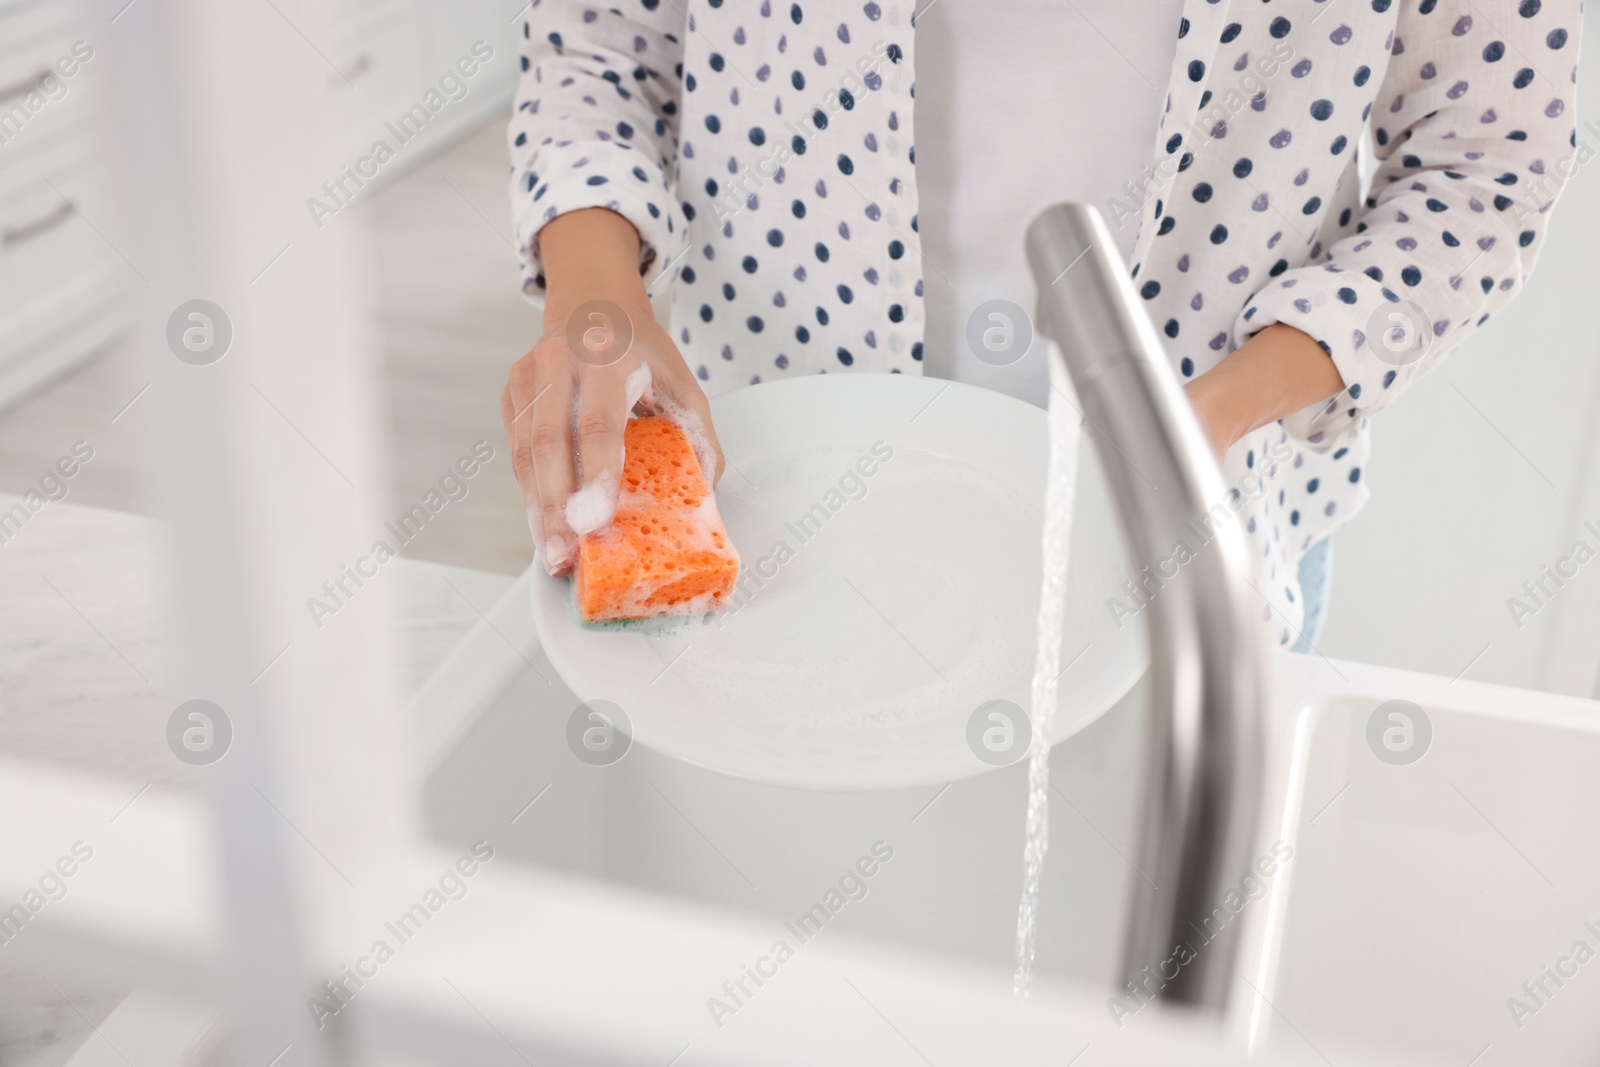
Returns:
(1275,373)
(602,355)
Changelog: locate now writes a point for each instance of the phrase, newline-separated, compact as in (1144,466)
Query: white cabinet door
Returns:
(412,74)
(63,284)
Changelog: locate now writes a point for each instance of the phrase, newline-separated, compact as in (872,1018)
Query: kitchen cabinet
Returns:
(63,285)
(387,56)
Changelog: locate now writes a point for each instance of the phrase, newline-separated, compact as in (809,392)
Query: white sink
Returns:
(657,824)
(1423,894)
(1418,898)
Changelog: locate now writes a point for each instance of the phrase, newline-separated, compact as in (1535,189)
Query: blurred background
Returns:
(188,156)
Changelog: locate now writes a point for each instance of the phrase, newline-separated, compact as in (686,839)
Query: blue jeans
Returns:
(1316,569)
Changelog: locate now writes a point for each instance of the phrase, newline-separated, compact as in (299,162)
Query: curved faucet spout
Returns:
(1203,783)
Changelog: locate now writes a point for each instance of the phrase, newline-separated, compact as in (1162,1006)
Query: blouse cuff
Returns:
(1375,339)
(557,179)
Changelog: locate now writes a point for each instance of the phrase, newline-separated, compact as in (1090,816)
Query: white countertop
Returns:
(88,639)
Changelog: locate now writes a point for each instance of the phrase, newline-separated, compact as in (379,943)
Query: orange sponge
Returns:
(666,552)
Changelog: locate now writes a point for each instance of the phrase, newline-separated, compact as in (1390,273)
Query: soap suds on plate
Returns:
(652,620)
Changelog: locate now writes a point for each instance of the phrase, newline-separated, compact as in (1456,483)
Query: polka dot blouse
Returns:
(763,151)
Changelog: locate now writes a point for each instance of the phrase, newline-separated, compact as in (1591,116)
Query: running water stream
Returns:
(1060,487)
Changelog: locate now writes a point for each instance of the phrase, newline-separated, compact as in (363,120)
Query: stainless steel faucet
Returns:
(1203,783)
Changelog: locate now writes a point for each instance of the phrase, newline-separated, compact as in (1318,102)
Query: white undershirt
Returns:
(1022,105)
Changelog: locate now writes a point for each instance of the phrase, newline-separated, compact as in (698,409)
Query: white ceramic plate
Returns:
(879,610)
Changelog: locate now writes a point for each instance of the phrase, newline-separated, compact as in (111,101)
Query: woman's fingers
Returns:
(508,418)
(601,419)
(516,409)
(542,394)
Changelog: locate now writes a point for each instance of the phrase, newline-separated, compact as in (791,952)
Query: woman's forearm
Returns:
(1276,373)
(589,254)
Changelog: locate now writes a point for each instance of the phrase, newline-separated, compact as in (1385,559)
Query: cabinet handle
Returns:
(30,230)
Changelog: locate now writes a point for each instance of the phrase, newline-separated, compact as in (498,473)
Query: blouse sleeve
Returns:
(1475,135)
(596,123)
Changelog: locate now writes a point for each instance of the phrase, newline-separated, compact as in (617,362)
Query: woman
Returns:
(755,163)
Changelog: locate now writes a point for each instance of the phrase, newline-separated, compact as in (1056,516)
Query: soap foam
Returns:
(699,440)
(638,385)
(656,621)
(595,505)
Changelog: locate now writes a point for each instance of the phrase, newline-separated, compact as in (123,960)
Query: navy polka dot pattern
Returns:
(1472,113)
(763,151)
(767,166)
